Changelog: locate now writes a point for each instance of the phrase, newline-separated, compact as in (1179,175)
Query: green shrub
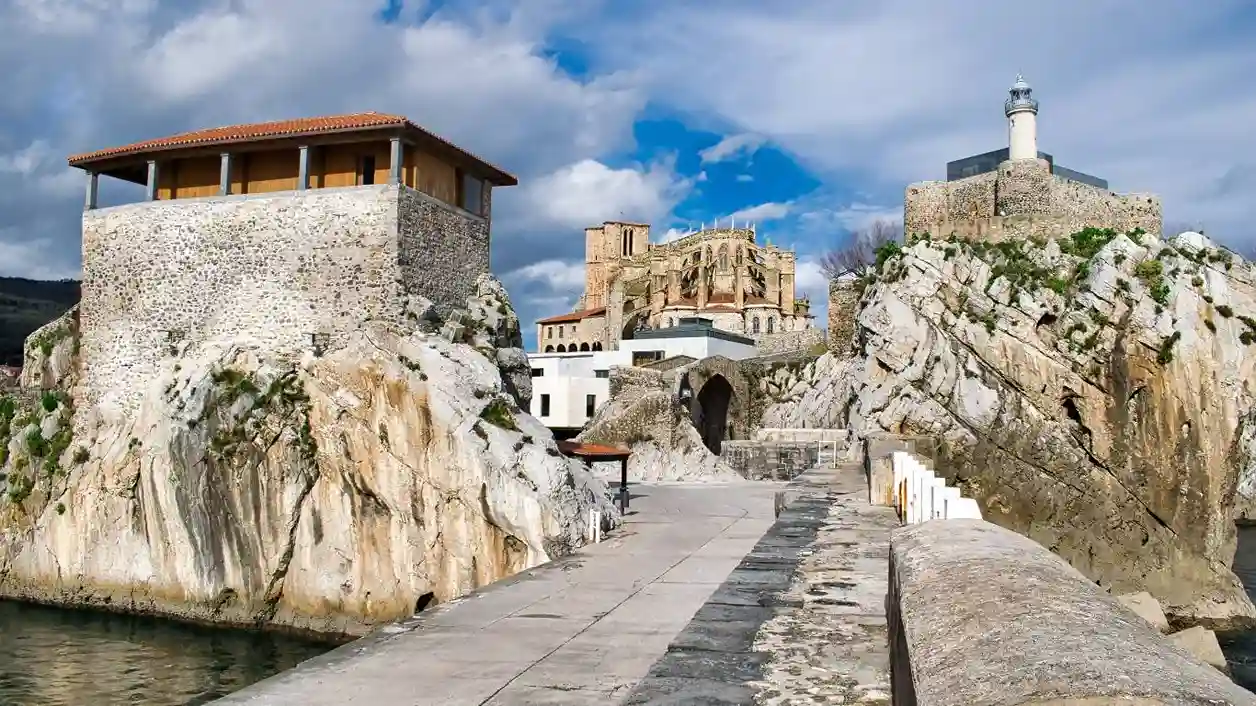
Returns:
(498,414)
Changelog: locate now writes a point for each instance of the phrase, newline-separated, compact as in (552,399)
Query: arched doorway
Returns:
(584,347)
(709,412)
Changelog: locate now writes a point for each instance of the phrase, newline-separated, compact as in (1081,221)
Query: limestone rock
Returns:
(1147,608)
(1202,643)
(1093,393)
(643,415)
(49,353)
(332,493)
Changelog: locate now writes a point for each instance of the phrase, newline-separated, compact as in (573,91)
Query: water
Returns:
(54,657)
(1240,647)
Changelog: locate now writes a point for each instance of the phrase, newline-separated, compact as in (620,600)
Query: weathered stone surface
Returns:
(1045,633)
(50,353)
(279,269)
(1147,608)
(329,493)
(1093,393)
(1202,643)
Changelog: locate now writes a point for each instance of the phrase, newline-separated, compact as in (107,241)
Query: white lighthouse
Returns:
(1022,121)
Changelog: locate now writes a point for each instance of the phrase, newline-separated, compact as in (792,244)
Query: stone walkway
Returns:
(581,630)
(700,599)
(801,620)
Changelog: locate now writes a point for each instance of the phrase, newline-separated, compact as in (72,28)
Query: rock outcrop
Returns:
(1094,393)
(644,415)
(331,493)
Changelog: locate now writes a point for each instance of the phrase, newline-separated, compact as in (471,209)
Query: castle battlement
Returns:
(1024,195)
(289,243)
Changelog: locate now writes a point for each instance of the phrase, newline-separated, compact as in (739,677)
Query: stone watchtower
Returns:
(1020,192)
(287,235)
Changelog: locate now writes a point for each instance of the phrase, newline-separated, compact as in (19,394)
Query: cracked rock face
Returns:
(1093,393)
(330,494)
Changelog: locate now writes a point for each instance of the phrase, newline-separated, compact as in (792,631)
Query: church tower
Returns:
(1021,110)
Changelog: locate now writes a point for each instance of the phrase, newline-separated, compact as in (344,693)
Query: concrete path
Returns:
(581,630)
(801,620)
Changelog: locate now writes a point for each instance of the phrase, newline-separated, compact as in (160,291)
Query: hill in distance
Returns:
(27,304)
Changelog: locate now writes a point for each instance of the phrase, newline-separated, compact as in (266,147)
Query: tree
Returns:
(859,254)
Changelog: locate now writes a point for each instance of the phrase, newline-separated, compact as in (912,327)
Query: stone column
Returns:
(396,155)
(303,169)
(93,182)
(150,189)
(224,174)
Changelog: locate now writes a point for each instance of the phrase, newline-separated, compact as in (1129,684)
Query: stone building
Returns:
(1018,191)
(719,274)
(287,235)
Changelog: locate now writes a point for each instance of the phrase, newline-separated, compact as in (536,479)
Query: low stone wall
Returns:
(981,615)
(788,341)
(832,436)
(762,460)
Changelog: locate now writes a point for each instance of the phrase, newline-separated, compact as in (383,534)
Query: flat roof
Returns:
(250,133)
(691,327)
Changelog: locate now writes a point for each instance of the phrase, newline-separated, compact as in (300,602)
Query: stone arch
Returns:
(754,325)
(549,349)
(717,396)
(584,347)
(771,324)
(562,348)
(597,346)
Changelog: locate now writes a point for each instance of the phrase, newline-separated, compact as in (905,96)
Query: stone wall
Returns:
(1023,198)
(787,341)
(843,306)
(1044,633)
(441,249)
(161,277)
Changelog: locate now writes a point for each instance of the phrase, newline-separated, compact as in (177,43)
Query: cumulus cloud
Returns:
(588,192)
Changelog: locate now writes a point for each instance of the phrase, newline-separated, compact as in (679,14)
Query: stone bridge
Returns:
(717,393)
(864,581)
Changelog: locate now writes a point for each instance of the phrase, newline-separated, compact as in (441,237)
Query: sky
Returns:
(808,117)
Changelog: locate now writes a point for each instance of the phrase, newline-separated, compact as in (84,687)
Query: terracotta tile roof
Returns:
(573,316)
(299,127)
(575,448)
(722,298)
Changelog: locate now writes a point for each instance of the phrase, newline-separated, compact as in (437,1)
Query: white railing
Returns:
(920,495)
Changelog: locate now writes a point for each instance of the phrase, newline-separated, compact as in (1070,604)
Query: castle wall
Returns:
(441,249)
(1023,199)
(843,307)
(271,269)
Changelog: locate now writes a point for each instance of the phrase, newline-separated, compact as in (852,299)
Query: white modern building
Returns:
(567,388)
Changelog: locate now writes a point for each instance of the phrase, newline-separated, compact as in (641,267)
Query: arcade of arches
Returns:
(573,348)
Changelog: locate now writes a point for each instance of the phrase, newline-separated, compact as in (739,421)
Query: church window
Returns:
(723,258)
(754,325)
(771,324)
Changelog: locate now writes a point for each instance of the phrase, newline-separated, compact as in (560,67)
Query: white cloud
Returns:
(809,280)
(769,211)
(745,178)
(588,192)
(556,275)
(731,147)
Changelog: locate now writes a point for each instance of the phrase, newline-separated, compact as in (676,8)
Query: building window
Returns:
(549,331)
(538,372)
(754,325)
(562,348)
(560,331)
(601,373)
(590,405)
(544,405)
(366,170)
(471,193)
(597,346)
(771,324)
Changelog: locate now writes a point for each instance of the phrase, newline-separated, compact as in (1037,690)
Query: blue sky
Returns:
(808,117)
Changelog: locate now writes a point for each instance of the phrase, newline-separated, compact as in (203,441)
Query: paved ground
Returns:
(801,620)
(582,630)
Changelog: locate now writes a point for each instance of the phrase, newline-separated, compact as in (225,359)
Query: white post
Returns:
(224,174)
(93,182)
(150,189)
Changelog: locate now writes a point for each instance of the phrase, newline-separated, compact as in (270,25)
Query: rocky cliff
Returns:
(1094,393)
(330,493)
